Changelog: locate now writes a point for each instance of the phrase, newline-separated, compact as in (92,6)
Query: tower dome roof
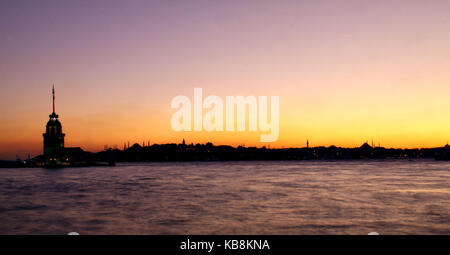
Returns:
(53,122)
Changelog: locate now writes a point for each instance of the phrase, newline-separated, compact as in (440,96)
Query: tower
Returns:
(53,136)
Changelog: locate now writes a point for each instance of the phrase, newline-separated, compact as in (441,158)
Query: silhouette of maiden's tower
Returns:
(55,154)
(53,137)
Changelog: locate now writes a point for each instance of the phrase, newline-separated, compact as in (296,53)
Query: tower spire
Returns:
(53,92)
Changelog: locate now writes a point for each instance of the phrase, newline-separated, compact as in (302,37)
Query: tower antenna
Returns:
(53,92)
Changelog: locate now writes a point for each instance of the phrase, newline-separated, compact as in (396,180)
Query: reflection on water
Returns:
(262,197)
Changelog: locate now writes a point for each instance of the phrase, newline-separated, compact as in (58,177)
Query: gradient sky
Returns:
(346,72)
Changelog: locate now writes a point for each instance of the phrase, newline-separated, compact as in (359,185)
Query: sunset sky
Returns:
(346,72)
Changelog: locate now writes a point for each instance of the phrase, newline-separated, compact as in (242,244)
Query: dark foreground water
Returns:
(270,197)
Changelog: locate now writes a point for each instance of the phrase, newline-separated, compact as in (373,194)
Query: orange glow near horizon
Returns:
(346,122)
